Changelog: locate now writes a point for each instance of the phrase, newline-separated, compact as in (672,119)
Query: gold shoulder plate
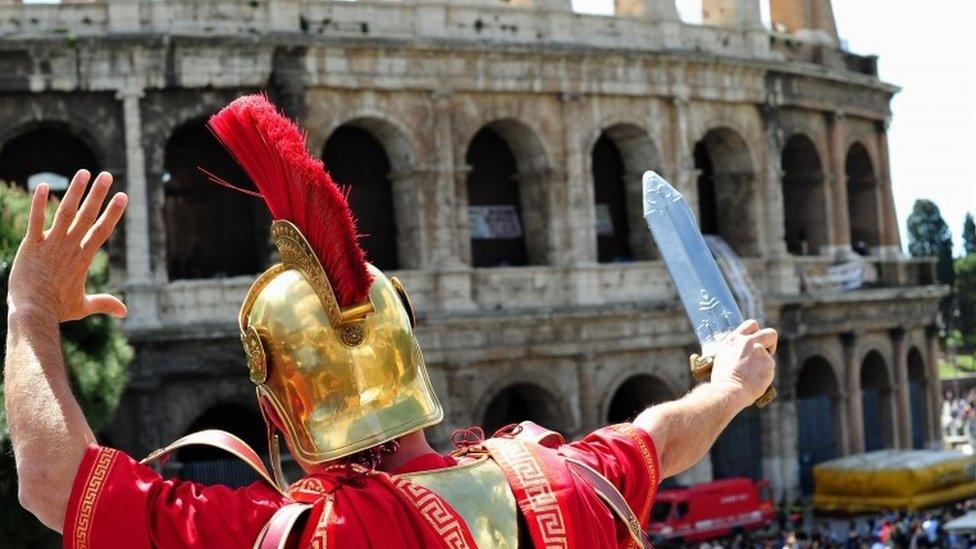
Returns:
(478,491)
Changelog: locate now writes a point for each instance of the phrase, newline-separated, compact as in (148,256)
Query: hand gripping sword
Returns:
(705,295)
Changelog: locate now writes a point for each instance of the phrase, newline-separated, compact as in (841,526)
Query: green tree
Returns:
(969,235)
(966,299)
(96,354)
(929,236)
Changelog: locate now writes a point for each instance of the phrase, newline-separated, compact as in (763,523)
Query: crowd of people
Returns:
(797,529)
(959,414)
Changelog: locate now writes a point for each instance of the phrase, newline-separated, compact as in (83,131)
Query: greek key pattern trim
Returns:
(89,498)
(650,460)
(437,513)
(320,538)
(522,466)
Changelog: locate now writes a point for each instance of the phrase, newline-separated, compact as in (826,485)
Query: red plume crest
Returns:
(296,188)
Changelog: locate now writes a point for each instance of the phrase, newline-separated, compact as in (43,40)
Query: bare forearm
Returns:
(47,427)
(684,430)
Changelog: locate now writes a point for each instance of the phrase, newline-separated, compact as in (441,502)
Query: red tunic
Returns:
(116,502)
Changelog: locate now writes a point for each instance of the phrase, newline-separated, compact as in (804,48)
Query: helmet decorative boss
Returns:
(328,337)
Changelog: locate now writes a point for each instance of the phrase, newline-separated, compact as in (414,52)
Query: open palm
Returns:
(50,269)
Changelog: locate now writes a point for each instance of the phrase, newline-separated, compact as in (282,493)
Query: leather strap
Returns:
(222,440)
(275,533)
(532,432)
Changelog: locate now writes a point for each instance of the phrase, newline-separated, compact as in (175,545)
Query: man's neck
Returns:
(411,447)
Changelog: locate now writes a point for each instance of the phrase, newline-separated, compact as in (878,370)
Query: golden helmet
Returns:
(339,380)
(328,337)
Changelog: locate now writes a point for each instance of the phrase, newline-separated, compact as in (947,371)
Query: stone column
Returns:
(682,159)
(140,290)
(934,384)
(411,188)
(772,195)
(840,245)
(890,238)
(902,400)
(588,400)
(578,215)
(447,222)
(855,413)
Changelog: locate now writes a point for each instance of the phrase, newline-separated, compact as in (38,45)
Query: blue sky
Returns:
(929,49)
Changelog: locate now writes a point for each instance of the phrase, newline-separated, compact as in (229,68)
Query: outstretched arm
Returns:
(683,430)
(48,430)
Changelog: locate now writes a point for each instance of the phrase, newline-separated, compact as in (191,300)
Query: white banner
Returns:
(842,277)
(494,222)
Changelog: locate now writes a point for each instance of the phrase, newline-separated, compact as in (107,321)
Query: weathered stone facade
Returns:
(783,130)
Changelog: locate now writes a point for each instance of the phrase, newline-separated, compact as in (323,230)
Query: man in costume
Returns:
(331,351)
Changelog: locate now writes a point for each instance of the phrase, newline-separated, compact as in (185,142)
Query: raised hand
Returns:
(49,271)
(745,360)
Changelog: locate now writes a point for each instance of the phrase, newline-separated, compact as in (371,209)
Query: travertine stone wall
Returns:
(423,78)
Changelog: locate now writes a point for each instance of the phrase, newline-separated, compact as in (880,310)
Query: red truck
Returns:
(711,510)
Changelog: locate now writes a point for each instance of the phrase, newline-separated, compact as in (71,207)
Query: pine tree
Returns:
(969,235)
(929,236)
(965,291)
(96,354)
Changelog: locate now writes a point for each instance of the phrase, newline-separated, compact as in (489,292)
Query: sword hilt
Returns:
(701,370)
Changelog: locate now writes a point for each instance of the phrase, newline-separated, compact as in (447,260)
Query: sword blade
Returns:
(704,293)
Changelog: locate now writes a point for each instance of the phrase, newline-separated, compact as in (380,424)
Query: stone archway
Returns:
(619,157)
(727,195)
(876,403)
(212,466)
(211,231)
(50,153)
(358,160)
(863,199)
(634,395)
(804,196)
(523,402)
(507,206)
(918,397)
(817,407)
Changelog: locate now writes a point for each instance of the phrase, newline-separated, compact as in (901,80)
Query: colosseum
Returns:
(493,151)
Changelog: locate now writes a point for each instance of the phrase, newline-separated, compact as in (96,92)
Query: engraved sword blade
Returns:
(704,293)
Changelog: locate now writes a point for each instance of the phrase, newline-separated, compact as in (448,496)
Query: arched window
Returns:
(918,396)
(48,154)
(635,395)
(612,225)
(876,403)
(817,394)
(804,197)
(357,160)
(522,402)
(507,205)
(862,199)
(726,193)
(738,450)
(211,231)
(212,466)
(494,203)
(619,158)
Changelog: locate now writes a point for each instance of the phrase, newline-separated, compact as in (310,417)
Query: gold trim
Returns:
(253,293)
(302,455)
(257,363)
(405,299)
(94,484)
(296,253)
